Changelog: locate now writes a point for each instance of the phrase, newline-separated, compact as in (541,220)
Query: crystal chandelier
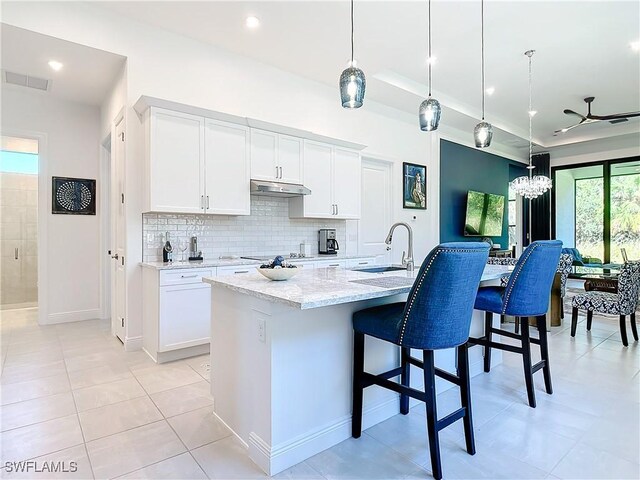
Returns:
(531,186)
(483,132)
(430,111)
(352,80)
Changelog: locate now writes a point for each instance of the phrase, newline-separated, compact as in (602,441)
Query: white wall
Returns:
(72,285)
(612,148)
(565,208)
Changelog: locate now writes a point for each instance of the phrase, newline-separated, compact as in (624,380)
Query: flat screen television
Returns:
(485,213)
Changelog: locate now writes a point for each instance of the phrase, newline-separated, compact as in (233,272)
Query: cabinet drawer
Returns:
(237,270)
(331,264)
(185,276)
(360,262)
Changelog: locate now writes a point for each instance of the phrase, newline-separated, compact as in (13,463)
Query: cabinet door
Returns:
(185,316)
(346,183)
(290,159)
(263,154)
(176,152)
(317,177)
(227,168)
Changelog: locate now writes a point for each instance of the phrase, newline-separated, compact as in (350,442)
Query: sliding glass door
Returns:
(596,209)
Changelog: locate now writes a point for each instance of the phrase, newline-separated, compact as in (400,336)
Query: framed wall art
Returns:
(414,186)
(73,196)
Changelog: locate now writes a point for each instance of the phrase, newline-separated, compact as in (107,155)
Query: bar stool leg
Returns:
(589,319)
(526,361)
(488,325)
(574,321)
(634,329)
(516,328)
(431,410)
(404,378)
(623,331)
(544,353)
(465,397)
(358,370)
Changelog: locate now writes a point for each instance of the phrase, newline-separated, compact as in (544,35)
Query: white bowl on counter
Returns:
(278,274)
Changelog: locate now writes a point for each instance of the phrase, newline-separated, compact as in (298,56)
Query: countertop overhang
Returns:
(324,287)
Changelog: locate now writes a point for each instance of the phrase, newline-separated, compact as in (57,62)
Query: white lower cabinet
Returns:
(360,262)
(176,312)
(331,264)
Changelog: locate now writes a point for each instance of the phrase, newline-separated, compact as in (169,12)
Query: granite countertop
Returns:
(324,287)
(227,262)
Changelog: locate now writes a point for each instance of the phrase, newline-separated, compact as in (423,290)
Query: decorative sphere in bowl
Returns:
(278,274)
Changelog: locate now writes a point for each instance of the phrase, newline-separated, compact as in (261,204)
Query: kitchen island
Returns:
(281,358)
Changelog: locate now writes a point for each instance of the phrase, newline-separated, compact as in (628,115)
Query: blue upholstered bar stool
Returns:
(525,295)
(436,315)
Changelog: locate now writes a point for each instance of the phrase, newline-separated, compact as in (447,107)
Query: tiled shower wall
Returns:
(267,231)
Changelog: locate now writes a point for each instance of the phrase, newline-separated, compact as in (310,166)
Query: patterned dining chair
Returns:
(624,303)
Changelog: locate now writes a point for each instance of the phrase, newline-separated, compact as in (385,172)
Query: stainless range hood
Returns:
(278,189)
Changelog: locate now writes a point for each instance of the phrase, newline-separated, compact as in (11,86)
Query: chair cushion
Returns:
(381,322)
(489,299)
(575,253)
(602,302)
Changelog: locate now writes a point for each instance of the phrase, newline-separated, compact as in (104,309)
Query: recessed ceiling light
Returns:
(490,91)
(432,59)
(252,22)
(55,65)
(635,45)
(532,113)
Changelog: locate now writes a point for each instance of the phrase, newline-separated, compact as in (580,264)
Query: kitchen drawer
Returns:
(360,262)
(237,270)
(184,276)
(306,264)
(331,264)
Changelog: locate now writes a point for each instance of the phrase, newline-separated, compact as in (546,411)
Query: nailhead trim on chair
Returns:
(424,275)
(505,304)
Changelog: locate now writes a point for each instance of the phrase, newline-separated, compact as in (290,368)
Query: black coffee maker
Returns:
(327,243)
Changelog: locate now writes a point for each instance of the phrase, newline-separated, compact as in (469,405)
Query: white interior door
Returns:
(118,225)
(375,217)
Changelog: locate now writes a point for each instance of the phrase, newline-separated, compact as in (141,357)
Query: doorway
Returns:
(375,209)
(19,169)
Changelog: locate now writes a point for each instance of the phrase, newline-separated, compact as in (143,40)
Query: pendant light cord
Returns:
(429,60)
(352,33)
(482,50)
(531,167)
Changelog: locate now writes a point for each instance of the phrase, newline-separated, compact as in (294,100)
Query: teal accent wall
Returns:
(463,169)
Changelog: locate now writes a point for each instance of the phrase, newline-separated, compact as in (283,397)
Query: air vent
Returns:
(26,81)
(618,120)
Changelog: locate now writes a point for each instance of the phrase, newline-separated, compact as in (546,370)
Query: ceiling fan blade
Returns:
(566,129)
(571,112)
(615,116)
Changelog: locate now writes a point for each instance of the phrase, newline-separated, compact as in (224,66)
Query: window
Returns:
(513,239)
(17,162)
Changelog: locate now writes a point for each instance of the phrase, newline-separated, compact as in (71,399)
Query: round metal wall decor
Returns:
(73,196)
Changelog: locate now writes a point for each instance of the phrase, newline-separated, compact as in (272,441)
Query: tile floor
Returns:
(70,393)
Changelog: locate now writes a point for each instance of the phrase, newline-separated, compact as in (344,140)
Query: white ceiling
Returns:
(582,50)
(87,74)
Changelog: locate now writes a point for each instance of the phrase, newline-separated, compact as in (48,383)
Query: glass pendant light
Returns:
(483,133)
(430,111)
(352,80)
(531,186)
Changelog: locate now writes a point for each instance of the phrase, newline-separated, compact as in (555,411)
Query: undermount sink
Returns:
(380,269)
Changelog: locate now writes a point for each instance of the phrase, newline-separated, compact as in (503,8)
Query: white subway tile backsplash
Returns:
(267,231)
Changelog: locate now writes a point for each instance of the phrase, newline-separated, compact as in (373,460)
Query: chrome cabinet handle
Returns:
(16,253)
(363,263)
(188,276)
(242,271)
(207,202)
(334,265)
(202,202)
(277,172)
(280,172)
(337,210)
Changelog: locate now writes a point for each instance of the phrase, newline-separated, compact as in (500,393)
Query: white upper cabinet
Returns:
(276,157)
(226,168)
(196,165)
(333,175)
(176,152)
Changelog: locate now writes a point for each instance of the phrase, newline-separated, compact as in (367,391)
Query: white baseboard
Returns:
(131,344)
(274,460)
(18,306)
(75,316)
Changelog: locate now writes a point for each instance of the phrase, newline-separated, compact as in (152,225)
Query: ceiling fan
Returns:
(590,118)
